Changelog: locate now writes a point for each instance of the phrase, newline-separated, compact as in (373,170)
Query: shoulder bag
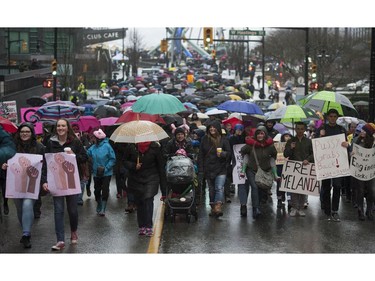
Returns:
(263,179)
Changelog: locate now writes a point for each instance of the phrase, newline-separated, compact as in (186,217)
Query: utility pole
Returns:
(371,96)
(307,50)
(55,57)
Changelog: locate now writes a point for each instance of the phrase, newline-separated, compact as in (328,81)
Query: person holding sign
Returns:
(331,206)
(25,141)
(299,148)
(365,187)
(64,139)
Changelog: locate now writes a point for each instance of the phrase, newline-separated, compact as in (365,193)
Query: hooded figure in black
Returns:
(213,160)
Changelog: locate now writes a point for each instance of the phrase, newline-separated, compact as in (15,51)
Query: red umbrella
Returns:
(132,116)
(233,121)
(7,125)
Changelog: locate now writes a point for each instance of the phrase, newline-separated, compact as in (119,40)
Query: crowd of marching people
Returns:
(139,168)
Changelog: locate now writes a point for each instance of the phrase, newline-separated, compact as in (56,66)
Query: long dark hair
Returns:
(71,135)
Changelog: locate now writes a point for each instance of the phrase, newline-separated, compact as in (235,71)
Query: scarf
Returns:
(143,146)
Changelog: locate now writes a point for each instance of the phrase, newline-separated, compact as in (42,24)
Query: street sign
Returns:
(247,32)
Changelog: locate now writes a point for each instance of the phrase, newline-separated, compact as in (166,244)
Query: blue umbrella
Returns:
(241,107)
(89,108)
(191,106)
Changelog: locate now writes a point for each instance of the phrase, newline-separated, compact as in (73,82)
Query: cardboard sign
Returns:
(239,162)
(299,178)
(362,164)
(62,174)
(280,147)
(331,159)
(23,176)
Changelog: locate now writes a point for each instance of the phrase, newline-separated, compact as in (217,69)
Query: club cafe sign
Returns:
(98,36)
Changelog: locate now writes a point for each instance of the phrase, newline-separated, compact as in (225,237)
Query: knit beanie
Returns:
(369,128)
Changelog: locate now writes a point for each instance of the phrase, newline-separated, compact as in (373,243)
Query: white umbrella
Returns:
(216,111)
(200,115)
(138,131)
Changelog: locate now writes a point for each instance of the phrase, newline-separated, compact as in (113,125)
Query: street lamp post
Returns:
(322,57)
(55,57)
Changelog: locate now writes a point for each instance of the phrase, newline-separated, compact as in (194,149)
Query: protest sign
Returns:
(299,178)
(280,147)
(62,174)
(362,164)
(331,159)
(239,162)
(23,176)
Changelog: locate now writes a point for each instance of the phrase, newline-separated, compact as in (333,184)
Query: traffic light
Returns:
(208,36)
(313,86)
(164,46)
(54,67)
(47,83)
(313,68)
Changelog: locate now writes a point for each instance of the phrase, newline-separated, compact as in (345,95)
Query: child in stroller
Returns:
(181,186)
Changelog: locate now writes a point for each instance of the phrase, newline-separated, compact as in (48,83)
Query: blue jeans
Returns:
(71,205)
(25,214)
(216,188)
(254,189)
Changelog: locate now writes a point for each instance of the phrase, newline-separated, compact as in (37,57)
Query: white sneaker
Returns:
(59,246)
(293,212)
(301,213)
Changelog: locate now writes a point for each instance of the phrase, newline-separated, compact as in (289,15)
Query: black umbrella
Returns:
(36,101)
(103,111)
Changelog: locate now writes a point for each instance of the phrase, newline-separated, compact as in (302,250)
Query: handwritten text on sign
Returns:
(331,159)
(362,164)
(299,178)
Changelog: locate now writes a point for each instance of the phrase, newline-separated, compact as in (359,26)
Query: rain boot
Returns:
(102,211)
(99,206)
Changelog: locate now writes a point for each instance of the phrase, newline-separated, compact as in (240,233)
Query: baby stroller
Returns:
(181,183)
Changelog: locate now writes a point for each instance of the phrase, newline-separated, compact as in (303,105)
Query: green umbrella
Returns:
(293,113)
(325,100)
(158,103)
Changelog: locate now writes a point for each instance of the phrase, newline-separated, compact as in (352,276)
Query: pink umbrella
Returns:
(127,104)
(87,122)
(108,121)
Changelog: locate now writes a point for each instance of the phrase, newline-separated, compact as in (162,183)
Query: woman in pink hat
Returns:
(103,159)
